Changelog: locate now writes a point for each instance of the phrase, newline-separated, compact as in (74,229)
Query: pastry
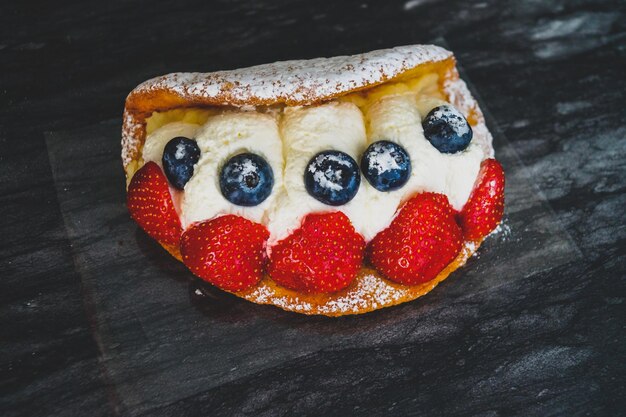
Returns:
(331,186)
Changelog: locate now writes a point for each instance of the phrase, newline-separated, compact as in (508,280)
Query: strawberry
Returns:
(323,255)
(227,251)
(150,204)
(485,206)
(421,240)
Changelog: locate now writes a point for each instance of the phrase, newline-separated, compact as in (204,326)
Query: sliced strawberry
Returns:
(323,255)
(485,206)
(150,204)
(228,251)
(421,240)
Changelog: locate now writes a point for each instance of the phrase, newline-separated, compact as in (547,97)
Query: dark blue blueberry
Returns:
(447,129)
(179,157)
(332,177)
(246,179)
(386,165)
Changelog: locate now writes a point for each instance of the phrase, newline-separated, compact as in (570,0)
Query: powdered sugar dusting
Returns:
(180,151)
(131,134)
(454,118)
(264,294)
(460,96)
(323,178)
(382,159)
(503,231)
(296,82)
(248,167)
(368,292)
(299,81)
(288,82)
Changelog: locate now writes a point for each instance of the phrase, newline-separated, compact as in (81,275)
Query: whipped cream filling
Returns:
(399,119)
(307,131)
(220,138)
(288,141)
(155,143)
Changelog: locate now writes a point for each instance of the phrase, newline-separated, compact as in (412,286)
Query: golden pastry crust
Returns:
(293,83)
(368,292)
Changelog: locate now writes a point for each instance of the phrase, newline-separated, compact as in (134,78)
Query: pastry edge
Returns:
(300,82)
(368,292)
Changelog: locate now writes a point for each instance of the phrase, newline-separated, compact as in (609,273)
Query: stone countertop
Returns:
(551,74)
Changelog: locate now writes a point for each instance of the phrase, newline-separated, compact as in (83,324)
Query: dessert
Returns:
(331,186)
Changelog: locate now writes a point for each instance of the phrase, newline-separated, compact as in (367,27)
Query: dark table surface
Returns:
(553,76)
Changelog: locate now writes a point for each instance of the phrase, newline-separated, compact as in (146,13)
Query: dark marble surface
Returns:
(544,341)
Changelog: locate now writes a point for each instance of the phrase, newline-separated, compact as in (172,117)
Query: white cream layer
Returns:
(289,140)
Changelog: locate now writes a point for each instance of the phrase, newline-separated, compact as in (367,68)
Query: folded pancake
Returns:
(366,97)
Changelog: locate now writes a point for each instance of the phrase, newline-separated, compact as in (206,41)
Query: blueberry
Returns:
(179,157)
(447,129)
(386,165)
(332,177)
(246,179)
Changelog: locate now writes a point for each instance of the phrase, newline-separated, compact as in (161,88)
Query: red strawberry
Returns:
(419,243)
(150,204)
(228,251)
(323,255)
(485,206)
